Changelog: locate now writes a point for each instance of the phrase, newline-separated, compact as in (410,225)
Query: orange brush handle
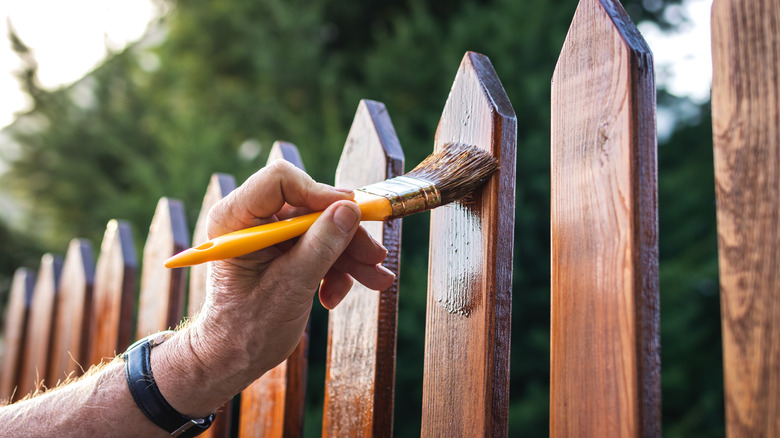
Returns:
(252,239)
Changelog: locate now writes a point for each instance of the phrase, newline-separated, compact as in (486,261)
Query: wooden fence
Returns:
(605,343)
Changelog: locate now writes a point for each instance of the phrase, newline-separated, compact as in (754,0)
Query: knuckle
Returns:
(325,249)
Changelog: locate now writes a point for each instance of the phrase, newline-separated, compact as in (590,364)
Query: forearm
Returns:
(100,403)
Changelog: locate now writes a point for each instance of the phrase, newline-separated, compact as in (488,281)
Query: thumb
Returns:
(319,248)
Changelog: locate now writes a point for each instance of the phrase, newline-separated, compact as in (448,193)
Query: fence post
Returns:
(111,327)
(746,140)
(161,304)
(72,312)
(360,370)
(273,405)
(467,330)
(15,333)
(39,325)
(220,185)
(605,362)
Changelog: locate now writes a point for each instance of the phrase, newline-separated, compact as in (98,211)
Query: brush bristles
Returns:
(457,170)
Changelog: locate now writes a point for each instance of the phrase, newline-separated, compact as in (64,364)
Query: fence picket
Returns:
(161,303)
(467,330)
(39,325)
(360,373)
(72,312)
(273,405)
(605,363)
(746,139)
(116,276)
(219,186)
(15,332)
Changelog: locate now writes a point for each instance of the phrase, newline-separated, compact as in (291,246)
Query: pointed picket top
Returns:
(161,303)
(219,186)
(360,376)
(470,269)
(15,331)
(72,312)
(39,325)
(282,150)
(272,406)
(116,277)
(604,230)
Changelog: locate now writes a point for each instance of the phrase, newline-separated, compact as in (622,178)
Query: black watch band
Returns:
(138,371)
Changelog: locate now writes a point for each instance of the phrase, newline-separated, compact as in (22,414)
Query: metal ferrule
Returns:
(406,195)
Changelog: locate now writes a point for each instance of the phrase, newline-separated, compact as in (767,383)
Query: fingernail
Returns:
(384,270)
(343,190)
(378,245)
(345,219)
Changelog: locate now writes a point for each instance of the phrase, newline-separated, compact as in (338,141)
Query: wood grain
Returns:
(73,310)
(746,139)
(116,278)
(468,323)
(161,303)
(360,371)
(605,363)
(219,186)
(39,325)
(15,332)
(273,405)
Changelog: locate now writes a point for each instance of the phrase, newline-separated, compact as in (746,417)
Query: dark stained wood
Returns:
(72,312)
(605,363)
(39,325)
(746,138)
(468,324)
(219,186)
(360,376)
(273,405)
(116,278)
(15,332)
(161,303)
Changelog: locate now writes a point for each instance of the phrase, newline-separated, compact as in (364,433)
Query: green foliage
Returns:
(158,118)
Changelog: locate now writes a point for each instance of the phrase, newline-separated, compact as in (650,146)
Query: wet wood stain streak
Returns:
(467,331)
(746,140)
(39,325)
(273,405)
(605,359)
(116,278)
(161,302)
(72,312)
(360,371)
(15,332)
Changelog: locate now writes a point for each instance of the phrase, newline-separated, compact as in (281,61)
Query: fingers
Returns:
(265,193)
(306,263)
(334,288)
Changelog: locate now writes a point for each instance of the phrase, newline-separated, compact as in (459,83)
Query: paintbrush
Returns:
(451,174)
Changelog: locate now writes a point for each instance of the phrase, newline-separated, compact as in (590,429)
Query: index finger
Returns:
(264,193)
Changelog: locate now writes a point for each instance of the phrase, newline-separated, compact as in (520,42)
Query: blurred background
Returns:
(111,104)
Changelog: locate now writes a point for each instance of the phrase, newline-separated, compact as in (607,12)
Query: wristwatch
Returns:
(138,371)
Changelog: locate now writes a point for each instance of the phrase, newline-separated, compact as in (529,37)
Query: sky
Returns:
(53,27)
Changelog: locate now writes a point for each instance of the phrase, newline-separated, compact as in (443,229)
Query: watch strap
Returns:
(138,371)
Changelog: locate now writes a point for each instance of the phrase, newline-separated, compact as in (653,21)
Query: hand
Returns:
(258,305)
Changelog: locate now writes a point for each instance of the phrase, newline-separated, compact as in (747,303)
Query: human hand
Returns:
(258,305)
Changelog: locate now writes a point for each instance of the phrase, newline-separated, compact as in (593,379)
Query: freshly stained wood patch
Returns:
(467,330)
